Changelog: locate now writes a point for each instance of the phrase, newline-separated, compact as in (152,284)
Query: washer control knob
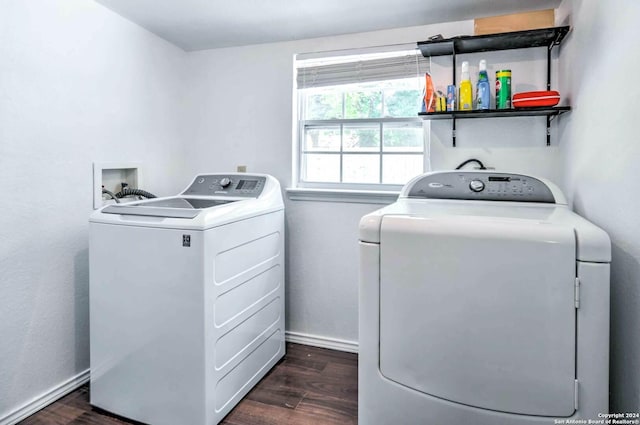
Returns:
(476,185)
(225,182)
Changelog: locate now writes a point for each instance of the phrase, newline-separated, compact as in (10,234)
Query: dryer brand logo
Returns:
(186,240)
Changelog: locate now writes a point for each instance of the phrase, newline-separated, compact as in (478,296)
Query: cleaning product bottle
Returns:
(466,96)
(483,87)
(429,94)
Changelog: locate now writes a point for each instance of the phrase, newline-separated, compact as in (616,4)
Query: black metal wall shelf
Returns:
(548,37)
(544,37)
(496,113)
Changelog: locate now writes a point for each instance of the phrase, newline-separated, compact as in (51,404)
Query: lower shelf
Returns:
(496,113)
(549,112)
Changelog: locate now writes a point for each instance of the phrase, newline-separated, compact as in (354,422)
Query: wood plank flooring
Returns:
(310,386)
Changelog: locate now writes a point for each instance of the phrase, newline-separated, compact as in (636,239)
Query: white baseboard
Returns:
(321,341)
(45,399)
(82,378)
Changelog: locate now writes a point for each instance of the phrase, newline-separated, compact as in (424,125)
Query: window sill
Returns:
(340,195)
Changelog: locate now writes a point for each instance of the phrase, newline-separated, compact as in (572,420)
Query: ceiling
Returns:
(206,24)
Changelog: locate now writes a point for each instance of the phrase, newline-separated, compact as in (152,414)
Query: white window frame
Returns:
(329,189)
(380,153)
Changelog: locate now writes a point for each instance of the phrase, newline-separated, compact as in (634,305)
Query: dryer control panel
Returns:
(485,186)
(232,185)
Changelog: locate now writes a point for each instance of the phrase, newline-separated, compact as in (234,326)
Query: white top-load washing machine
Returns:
(483,300)
(187,299)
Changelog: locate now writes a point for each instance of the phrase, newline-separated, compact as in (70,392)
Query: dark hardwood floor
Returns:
(310,386)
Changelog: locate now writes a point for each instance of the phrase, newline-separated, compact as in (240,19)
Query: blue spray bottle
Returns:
(483,87)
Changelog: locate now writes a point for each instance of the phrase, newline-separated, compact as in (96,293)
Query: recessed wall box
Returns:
(111,175)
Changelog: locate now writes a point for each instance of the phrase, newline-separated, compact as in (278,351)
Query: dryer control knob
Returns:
(225,182)
(476,185)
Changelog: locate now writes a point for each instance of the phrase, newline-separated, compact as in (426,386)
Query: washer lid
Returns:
(592,243)
(176,207)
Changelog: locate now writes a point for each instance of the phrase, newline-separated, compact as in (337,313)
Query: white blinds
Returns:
(313,73)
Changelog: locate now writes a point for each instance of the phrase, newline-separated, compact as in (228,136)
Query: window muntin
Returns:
(362,135)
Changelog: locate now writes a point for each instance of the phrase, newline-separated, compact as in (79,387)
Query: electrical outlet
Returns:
(241,168)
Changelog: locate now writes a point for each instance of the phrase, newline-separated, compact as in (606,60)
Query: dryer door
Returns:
(480,311)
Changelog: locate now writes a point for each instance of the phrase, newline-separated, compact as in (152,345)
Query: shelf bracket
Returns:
(453,133)
(455,106)
(549,66)
(556,41)
(548,130)
(453,77)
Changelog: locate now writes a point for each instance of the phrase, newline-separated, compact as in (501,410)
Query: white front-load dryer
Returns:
(187,299)
(484,300)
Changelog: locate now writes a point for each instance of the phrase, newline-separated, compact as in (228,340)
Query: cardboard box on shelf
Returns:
(514,22)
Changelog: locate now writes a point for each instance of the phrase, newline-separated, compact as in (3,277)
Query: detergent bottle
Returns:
(483,87)
(466,96)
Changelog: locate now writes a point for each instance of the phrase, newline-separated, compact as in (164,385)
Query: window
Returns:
(357,120)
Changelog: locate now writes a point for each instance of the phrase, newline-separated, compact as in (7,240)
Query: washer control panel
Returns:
(232,185)
(481,186)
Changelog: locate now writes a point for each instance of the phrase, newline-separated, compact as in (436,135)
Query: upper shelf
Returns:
(485,43)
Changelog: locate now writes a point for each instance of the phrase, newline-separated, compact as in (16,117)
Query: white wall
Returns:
(77,84)
(601,153)
(244,99)
(244,102)
(80,84)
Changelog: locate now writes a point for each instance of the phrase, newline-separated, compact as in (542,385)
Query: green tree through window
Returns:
(371,128)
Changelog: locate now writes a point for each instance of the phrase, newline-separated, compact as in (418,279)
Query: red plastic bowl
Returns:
(532,99)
